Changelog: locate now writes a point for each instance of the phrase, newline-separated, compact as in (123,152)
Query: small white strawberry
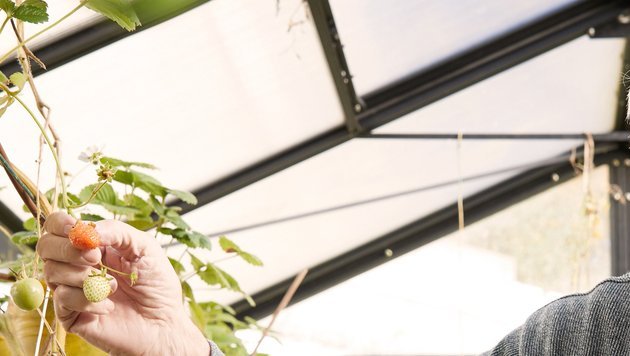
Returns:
(96,286)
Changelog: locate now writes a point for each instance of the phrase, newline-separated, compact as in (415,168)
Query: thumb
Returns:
(129,242)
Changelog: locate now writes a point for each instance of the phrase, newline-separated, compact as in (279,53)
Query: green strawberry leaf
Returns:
(7,6)
(3,78)
(186,197)
(119,11)
(230,247)
(30,224)
(91,217)
(177,266)
(24,238)
(33,11)
(18,79)
(142,224)
(105,195)
(115,162)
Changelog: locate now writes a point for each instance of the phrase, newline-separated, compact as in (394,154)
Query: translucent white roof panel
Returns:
(209,92)
(388,40)
(490,278)
(570,89)
(355,171)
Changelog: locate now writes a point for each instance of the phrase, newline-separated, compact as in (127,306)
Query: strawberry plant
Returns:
(122,190)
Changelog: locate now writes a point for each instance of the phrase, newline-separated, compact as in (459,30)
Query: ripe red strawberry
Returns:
(96,287)
(84,236)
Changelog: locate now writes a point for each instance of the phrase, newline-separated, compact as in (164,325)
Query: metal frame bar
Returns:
(619,176)
(616,136)
(333,50)
(425,88)
(418,233)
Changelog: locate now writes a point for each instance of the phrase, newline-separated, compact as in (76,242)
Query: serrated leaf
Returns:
(91,217)
(143,225)
(187,291)
(105,195)
(138,203)
(173,217)
(228,245)
(186,197)
(33,11)
(24,238)
(30,224)
(18,79)
(251,259)
(7,6)
(115,162)
(120,209)
(196,263)
(177,266)
(123,177)
(141,181)
(119,11)
(197,314)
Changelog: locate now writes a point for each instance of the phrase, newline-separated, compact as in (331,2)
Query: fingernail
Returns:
(66,229)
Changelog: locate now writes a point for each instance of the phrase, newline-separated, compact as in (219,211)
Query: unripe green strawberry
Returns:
(96,287)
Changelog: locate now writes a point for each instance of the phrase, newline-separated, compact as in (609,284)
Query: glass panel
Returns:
(572,89)
(464,292)
(388,40)
(356,171)
(202,95)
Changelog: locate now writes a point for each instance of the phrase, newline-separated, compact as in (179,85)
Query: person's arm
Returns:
(594,323)
(146,319)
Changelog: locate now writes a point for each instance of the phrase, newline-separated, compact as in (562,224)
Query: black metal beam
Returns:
(487,60)
(333,50)
(427,87)
(418,233)
(97,35)
(619,176)
(9,219)
(614,137)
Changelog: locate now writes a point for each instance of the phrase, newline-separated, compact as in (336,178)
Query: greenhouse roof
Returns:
(333,136)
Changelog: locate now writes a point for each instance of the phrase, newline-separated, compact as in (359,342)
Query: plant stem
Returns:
(4,23)
(48,142)
(6,55)
(94,192)
(114,270)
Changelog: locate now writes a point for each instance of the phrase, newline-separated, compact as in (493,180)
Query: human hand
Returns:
(146,319)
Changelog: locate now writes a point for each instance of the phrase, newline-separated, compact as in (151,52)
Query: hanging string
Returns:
(460,182)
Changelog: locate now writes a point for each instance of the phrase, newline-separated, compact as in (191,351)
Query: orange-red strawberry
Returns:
(84,236)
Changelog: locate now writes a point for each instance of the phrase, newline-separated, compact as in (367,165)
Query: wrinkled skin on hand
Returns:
(146,319)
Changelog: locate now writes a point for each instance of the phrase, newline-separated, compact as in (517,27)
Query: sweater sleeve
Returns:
(593,323)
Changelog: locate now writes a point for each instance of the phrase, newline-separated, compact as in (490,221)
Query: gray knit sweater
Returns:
(593,323)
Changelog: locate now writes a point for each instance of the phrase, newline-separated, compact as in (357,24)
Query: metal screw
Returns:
(555,177)
(626,162)
(628,196)
(624,18)
(616,163)
(388,253)
(591,31)
(343,73)
(346,80)
(357,107)
(617,196)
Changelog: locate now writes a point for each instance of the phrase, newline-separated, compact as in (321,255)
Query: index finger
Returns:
(59,223)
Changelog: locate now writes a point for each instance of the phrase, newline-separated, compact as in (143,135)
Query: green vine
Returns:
(142,203)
